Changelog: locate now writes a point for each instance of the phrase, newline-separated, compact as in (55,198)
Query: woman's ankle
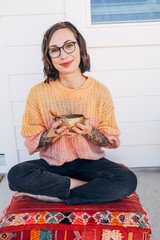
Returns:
(76,183)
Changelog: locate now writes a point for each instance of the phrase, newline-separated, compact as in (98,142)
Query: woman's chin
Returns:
(68,71)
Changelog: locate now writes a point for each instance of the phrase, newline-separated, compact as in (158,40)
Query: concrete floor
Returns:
(149,193)
(148,190)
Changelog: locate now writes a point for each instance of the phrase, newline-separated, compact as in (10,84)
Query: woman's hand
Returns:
(82,129)
(60,131)
(54,133)
(90,133)
(57,130)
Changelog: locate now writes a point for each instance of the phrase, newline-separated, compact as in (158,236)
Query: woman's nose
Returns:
(63,53)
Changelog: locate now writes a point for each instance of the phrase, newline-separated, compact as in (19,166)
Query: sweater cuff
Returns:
(32,143)
(113,138)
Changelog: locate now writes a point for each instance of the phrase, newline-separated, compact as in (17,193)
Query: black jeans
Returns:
(107,181)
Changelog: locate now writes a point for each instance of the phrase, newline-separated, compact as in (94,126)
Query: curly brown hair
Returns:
(49,70)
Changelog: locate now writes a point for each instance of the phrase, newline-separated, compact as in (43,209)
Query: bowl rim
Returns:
(71,116)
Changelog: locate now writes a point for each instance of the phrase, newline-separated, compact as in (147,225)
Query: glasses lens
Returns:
(69,47)
(54,52)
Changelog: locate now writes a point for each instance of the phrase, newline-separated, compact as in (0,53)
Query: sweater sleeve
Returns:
(32,123)
(108,125)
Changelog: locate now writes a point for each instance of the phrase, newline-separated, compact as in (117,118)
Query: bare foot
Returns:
(39,197)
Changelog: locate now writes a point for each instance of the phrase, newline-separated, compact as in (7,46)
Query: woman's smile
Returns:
(66,64)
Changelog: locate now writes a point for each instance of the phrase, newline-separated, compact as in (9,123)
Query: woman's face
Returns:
(67,62)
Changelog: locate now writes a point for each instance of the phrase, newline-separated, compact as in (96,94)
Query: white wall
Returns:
(22,25)
(124,57)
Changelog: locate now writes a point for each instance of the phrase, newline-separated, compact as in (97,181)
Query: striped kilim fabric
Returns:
(27,218)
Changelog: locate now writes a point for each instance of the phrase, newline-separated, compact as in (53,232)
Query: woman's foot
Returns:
(39,197)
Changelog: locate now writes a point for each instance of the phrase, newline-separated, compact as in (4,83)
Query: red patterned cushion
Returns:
(28,218)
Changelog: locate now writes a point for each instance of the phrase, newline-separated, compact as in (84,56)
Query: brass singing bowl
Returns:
(70,120)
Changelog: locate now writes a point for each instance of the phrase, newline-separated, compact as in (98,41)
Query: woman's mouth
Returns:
(66,64)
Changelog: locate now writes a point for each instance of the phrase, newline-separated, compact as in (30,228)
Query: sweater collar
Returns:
(87,84)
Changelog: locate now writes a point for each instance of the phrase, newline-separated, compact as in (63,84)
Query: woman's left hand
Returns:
(82,129)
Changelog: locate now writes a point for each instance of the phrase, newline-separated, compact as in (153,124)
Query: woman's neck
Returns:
(72,80)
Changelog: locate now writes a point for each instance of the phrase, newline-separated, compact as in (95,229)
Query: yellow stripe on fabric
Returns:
(65,236)
(130,236)
(35,234)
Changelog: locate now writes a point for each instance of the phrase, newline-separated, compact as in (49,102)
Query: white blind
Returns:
(111,11)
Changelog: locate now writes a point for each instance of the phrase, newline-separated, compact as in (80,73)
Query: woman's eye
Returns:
(69,45)
(54,50)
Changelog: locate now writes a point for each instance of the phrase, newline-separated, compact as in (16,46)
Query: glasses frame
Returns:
(59,48)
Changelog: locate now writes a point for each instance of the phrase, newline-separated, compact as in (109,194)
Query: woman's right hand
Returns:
(57,130)
(53,134)
(61,131)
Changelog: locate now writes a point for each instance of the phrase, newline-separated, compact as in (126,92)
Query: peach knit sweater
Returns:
(92,98)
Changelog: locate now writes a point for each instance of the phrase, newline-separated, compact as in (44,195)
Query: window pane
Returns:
(103,11)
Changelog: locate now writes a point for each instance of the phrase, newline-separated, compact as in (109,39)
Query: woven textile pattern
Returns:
(28,218)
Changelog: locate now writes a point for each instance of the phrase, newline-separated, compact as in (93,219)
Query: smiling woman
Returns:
(65,61)
(72,166)
(51,44)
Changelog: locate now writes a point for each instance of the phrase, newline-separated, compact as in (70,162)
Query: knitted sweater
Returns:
(92,98)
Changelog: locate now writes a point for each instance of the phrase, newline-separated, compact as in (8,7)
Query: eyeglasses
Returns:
(55,52)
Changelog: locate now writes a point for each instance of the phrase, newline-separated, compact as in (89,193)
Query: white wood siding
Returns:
(124,57)
(22,25)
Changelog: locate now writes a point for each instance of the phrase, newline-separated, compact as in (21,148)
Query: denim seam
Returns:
(67,187)
(68,202)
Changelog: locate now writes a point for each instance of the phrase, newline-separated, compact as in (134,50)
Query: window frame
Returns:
(120,22)
(111,35)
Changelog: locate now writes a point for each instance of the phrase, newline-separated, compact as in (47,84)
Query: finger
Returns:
(77,130)
(81,126)
(86,119)
(57,124)
(70,135)
(61,130)
(54,114)
(86,116)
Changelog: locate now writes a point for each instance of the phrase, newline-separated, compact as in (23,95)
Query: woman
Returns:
(72,166)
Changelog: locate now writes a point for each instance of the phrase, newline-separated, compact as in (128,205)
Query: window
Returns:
(118,11)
